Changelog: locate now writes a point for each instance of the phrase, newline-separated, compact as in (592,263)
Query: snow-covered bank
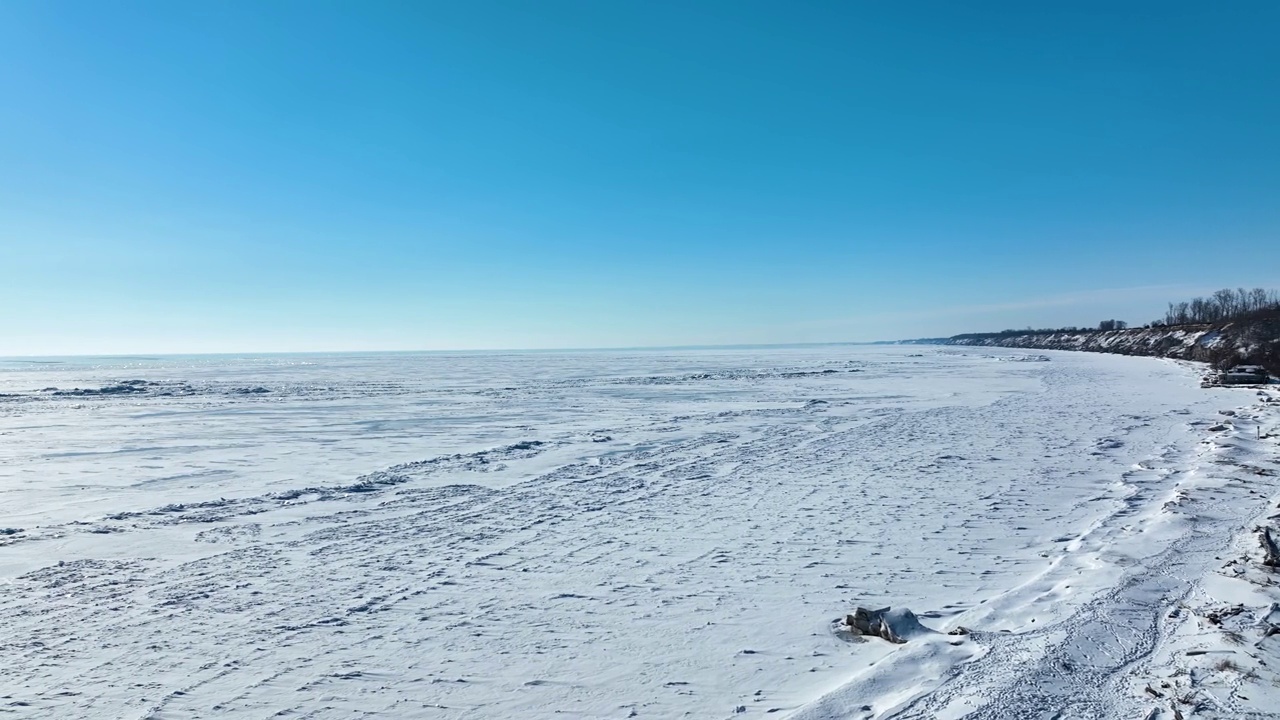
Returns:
(1192,342)
(1218,654)
(1255,341)
(592,535)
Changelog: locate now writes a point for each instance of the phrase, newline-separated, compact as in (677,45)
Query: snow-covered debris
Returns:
(896,626)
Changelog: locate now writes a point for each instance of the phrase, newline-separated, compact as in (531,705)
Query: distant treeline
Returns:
(1102,327)
(1222,306)
(1025,331)
(1248,322)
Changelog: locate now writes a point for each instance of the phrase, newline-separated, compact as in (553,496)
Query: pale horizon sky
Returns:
(320,176)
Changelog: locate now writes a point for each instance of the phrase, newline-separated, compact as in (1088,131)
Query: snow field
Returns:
(647,534)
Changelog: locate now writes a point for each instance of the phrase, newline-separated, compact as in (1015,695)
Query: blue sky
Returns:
(256,176)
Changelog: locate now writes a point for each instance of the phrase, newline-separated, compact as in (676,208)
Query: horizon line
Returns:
(728,346)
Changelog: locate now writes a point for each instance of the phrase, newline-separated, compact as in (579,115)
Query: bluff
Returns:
(1254,341)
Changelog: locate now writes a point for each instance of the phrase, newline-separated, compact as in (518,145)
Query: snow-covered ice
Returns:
(631,534)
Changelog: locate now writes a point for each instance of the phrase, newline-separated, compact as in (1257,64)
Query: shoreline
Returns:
(1149,643)
(1247,342)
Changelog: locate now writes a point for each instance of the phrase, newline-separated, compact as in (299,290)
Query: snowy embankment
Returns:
(627,535)
(1256,341)
(1187,343)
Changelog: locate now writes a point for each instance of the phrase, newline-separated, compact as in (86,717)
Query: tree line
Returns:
(1254,313)
(1027,331)
(1222,306)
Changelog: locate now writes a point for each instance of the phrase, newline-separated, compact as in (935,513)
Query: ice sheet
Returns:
(594,534)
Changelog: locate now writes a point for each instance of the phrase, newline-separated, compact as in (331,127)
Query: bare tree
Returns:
(1258,299)
(1225,304)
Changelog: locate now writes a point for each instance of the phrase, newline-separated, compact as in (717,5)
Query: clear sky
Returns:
(255,176)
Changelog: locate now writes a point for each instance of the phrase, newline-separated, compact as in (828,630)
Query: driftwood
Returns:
(895,626)
(871,622)
(1217,616)
(1270,622)
(1271,553)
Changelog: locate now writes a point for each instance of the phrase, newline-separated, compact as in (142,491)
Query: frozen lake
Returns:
(648,534)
